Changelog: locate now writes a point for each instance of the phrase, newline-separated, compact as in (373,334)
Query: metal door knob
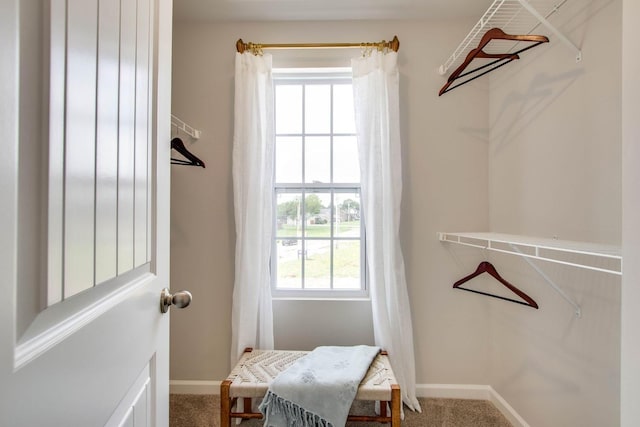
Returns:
(180,299)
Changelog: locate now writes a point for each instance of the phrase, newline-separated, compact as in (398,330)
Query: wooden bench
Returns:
(257,368)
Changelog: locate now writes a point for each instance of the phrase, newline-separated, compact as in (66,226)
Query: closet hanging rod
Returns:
(513,17)
(241,46)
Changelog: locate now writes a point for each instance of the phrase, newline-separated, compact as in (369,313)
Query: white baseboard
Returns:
(507,410)
(194,387)
(443,391)
(472,391)
(454,391)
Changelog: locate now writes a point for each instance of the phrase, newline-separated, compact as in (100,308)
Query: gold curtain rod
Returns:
(256,48)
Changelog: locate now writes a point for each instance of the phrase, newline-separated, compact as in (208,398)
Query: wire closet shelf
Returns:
(596,257)
(180,125)
(521,17)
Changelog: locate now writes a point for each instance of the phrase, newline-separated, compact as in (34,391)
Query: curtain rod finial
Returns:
(240,46)
(395,44)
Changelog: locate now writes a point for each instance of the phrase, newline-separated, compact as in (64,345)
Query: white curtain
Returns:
(376,87)
(253,151)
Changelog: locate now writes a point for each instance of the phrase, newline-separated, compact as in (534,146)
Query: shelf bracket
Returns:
(550,27)
(576,307)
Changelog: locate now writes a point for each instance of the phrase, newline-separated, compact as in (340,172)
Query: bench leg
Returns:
(396,401)
(225,404)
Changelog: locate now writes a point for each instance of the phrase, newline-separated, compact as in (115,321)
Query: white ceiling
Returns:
(320,10)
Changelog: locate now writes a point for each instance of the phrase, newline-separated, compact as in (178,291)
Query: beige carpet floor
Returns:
(187,410)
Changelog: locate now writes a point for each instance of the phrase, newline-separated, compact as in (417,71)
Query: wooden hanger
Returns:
(501,58)
(178,145)
(487,267)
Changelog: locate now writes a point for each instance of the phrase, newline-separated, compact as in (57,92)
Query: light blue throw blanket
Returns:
(318,389)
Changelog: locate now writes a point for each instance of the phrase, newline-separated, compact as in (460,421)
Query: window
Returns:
(318,247)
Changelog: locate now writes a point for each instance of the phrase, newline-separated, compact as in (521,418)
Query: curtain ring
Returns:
(255,49)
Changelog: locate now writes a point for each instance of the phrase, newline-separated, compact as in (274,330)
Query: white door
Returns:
(84,212)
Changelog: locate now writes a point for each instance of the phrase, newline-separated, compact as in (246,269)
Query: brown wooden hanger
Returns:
(487,267)
(178,145)
(501,58)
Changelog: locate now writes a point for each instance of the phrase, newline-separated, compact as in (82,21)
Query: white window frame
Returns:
(297,76)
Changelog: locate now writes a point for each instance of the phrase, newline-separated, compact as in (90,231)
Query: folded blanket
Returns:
(318,389)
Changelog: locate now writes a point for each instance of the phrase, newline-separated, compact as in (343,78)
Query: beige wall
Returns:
(533,149)
(555,170)
(555,133)
(445,188)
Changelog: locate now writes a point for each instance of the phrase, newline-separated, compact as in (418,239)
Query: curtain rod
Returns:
(257,48)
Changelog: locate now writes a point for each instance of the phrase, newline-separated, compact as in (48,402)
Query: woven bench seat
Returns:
(251,376)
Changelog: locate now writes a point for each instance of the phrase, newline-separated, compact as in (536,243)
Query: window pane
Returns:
(317,264)
(288,217)
(346,165)
(318,241)
(289,266)
(288,109)
(347,222)
(318,210)
(346,264)
(317,104)
(343,114)
(288,159)
(317,159)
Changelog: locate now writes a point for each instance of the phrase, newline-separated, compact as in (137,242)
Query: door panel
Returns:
(134,408)
(79,144)
(141,186)
(84,204)
(105,198)
(126,149)
(106,138)
(56,139)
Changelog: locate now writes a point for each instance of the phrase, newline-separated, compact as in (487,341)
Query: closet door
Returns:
(85,116)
